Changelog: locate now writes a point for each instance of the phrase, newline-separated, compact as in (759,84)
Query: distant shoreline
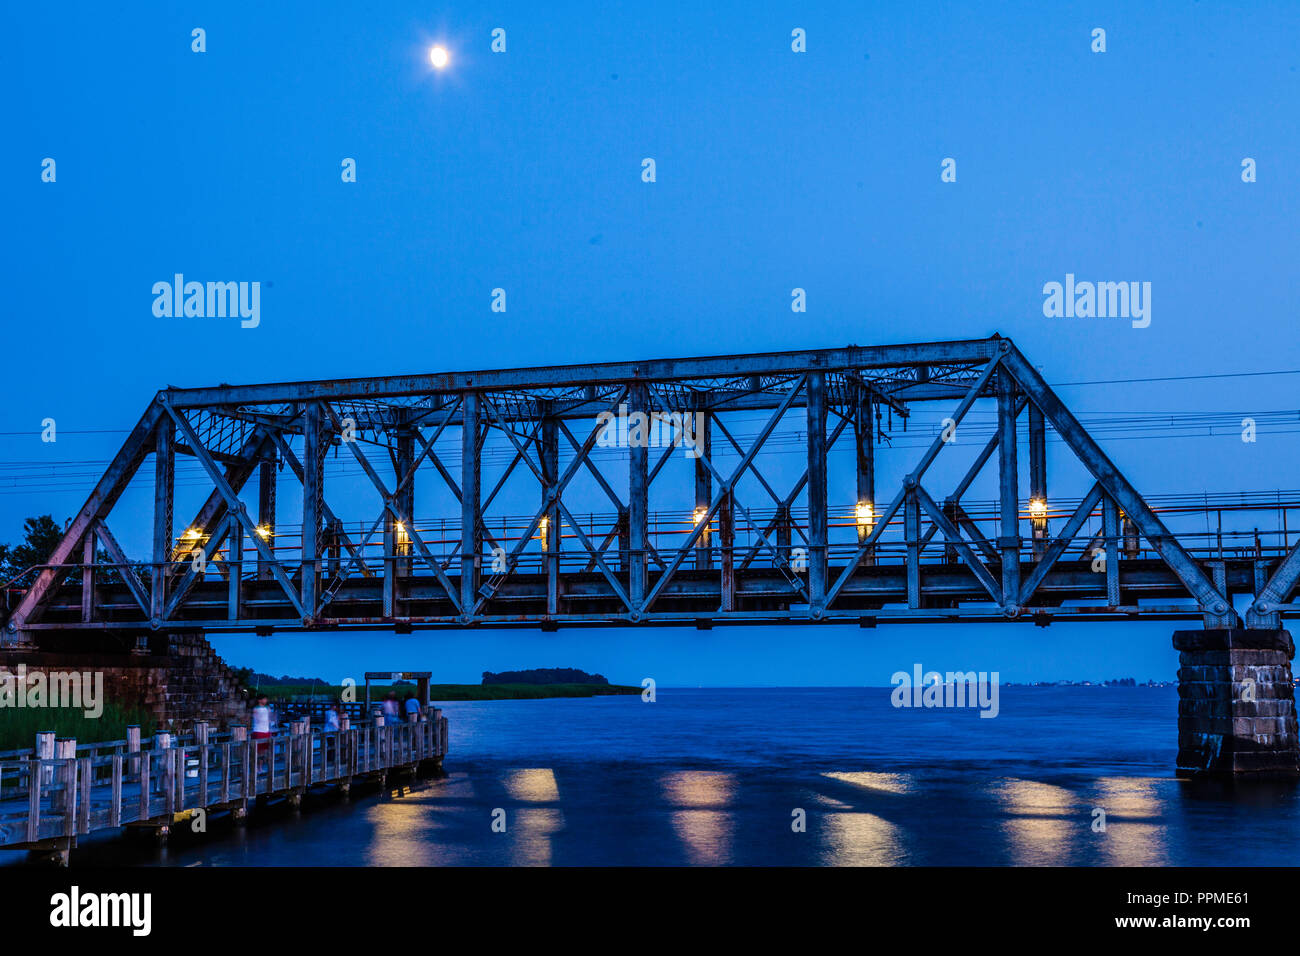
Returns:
(442,692)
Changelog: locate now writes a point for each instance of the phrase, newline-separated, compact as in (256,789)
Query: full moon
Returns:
(438,56)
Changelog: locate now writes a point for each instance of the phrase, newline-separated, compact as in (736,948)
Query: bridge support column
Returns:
(816,418)
(548,456)
(703,492)
(470,505)
(314,443)
(266,487)
(864,435)
(163,500)
(406,497)
(637,504)
(1236,703)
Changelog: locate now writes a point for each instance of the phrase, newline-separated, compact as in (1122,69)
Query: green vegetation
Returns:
(438,692)
(20,725)
(41,535)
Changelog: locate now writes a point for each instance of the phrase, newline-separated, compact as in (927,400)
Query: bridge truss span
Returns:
(761,488)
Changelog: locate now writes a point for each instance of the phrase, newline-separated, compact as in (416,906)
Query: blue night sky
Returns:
(775,170)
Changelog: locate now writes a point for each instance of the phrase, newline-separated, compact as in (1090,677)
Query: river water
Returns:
(724,776)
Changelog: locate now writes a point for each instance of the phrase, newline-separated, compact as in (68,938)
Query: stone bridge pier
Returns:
(1236,703)
(176,677)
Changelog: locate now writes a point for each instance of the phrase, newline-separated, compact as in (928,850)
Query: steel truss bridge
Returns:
(898,552)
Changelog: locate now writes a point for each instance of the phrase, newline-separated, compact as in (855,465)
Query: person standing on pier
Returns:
(391,711)
(412,708)
(261,728)
(331,744)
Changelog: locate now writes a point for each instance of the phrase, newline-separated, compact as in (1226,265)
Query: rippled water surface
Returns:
(718,777)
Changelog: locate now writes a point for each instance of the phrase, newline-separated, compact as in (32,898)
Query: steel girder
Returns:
(788,567)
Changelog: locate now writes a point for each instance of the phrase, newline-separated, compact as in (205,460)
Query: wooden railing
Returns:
(80,789)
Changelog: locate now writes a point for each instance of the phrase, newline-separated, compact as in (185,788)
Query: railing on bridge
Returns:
(739,543)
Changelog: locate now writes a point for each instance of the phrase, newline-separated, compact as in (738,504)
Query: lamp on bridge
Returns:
(542,528)
(697,516)
(1038,523)
(865,513)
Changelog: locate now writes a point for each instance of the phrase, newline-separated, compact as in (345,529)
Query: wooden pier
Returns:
(58,791)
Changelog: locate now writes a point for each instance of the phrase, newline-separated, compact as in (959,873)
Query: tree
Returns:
(40,536)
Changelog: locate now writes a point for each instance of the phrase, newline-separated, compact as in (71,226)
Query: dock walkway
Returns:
(58,791)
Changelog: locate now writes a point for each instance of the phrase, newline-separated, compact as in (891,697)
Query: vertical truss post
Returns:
(405,497)
(235,563)
(864,443)
(783,531)
(335,567)
(548,446)
(638,502)
(816,409)
(164,481)
(88,577)
(1009,489)
(1110,538)
(912,536)
(1038,479)
(727,549)
(312,480)
(266,486)
(470,498)
(703,492)
(389,593)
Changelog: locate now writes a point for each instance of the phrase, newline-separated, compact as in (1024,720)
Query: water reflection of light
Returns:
(861,839)
(1129,841)
(1043,817)
(706,833)
(534,785)
(699,788)
(831,802)
(888,782)
(532,828)
(399,834)
(404,832)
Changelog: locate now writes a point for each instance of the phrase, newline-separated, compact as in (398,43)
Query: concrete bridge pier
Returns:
(1236,703)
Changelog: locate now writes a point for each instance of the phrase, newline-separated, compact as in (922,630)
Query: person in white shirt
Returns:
(261,729)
